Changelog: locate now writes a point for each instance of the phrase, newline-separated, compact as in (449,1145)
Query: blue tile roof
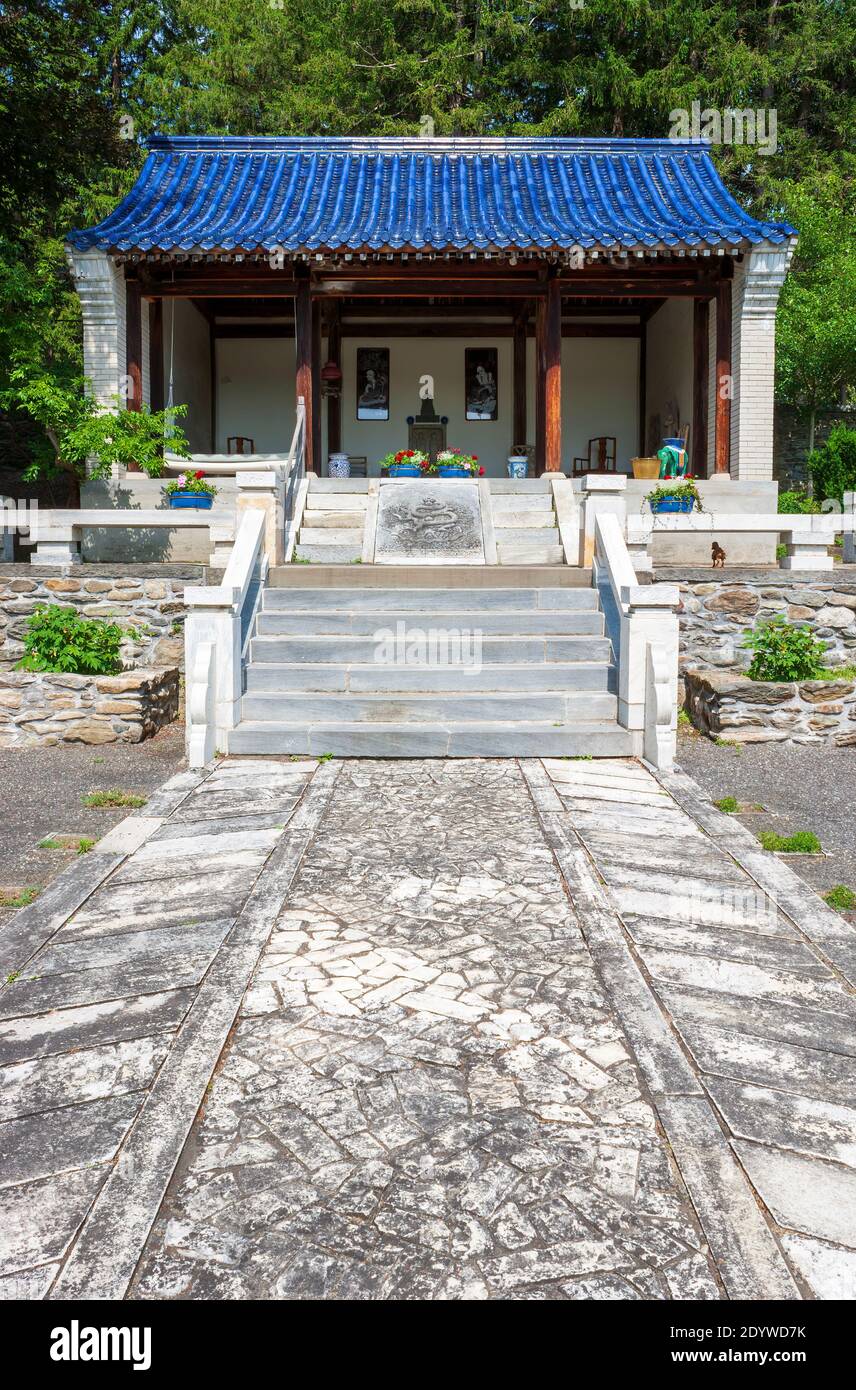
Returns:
(311,194)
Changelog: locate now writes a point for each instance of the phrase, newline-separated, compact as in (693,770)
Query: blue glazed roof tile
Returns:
(298,195)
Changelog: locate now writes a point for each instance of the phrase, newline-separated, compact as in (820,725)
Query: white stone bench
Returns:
(57,534)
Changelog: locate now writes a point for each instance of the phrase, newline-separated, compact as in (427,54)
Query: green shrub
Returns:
(783,652)
(833,465)
(797,501)
(729,804)
(842,898)
(803,842)
(59,639)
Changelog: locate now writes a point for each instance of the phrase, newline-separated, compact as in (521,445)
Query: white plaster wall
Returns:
(255,391)
(600,394)
(669,374)
(191,370)
(442,358)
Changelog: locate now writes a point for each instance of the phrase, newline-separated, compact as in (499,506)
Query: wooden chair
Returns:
(604,449)
(237,444)
(359,465)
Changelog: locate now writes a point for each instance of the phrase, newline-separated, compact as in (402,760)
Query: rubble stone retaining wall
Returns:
(148,598)
(38,708)
(718,607)
(731,706)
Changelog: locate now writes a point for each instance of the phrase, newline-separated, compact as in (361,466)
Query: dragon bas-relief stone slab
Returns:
(435,522)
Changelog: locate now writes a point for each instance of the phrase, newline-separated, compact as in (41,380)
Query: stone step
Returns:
(429,599)
(329,535)
(424,708)
(320,517)
(528,553)
(507,650)
(307,623)
(541,536)
(318,486)
(336,501)
(328,554)
(528,521)
(529,502)
(469,578)
(520,739)
(368,677)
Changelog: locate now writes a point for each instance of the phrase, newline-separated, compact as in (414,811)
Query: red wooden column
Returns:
(723,383)
(701,386)
(550,374)
(519,427)
(303,374)
(540,393)
(315,306)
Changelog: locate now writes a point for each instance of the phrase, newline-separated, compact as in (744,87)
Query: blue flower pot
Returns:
(448,470)
(405,470)
(673,504)
(191,499)
(517,467)
(339,466)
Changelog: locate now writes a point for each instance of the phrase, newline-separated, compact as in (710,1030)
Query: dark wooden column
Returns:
(334,354)
(548,384)
(519,427)
(316,385)
(642,407)
(303,373)
(722,429)
(134,345)
(701,386)
(156,396)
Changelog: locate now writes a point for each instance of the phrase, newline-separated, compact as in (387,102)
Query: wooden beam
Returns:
(407,286)
(701,314)
(253,330)
(519,425)
(334,402)
(724,381)
(156,396)
(303,369)
(133,345)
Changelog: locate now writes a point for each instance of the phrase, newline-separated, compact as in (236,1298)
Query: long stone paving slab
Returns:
(428,1029)
(105,979)
(753,974)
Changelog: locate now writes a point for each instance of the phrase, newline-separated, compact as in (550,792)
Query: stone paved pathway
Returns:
(458,1029)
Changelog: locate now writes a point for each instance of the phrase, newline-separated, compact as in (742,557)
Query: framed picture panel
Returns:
(372,383)
(480,383)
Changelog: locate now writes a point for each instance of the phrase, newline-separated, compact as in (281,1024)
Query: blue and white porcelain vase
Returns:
(517,465)
(339,466)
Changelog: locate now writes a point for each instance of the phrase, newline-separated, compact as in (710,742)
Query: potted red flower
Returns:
(190,489)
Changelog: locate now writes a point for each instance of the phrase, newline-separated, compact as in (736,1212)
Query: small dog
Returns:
(718,556)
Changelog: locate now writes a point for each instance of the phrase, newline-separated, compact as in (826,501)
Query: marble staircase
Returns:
(441,671)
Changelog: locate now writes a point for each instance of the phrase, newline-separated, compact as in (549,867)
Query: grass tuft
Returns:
(97,800)
(20,899)
(842,898)
(802,842)
(728,803)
